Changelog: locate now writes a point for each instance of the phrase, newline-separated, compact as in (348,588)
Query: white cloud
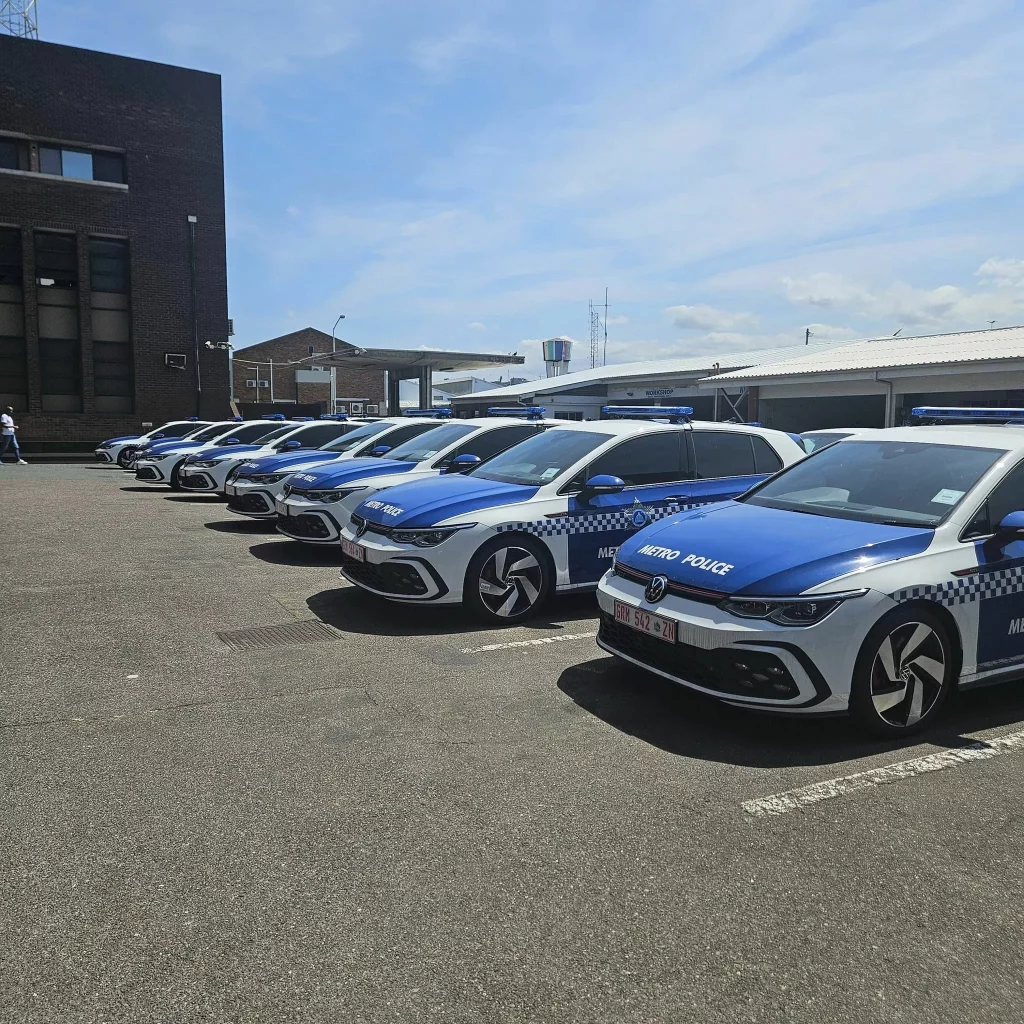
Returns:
(707,318)
(1002,272)
(617,320)
(477,326)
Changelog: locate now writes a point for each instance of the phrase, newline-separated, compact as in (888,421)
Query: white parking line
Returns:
(792,799)
(530,643)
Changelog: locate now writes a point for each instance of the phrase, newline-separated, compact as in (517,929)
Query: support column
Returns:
(426,388)
(393,403)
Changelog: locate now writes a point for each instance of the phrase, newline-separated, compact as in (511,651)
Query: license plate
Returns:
(282,508)
(353,550)
(645,622)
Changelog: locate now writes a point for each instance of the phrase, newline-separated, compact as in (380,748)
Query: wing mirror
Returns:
(289,446)
(1012,522)
(232,440)
(156,437)
(381,449)
(463,463)
(604,483)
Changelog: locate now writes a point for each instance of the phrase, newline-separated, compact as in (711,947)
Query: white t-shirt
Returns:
(7,423)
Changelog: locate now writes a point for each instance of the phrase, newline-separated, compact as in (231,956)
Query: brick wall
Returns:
(167,123)
(289,353)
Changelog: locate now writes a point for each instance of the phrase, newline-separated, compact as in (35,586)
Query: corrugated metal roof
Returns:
(644,370)
(890,353)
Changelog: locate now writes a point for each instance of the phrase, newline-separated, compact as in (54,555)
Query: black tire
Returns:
(508,579)
(175,479)
(125,456)
(904,672)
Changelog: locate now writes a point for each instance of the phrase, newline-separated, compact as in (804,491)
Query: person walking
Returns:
(8,437)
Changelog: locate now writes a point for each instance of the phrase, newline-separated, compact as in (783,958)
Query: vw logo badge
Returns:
(361,528)
(655,590)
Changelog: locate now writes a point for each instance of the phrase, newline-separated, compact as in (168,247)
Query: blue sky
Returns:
(468,174)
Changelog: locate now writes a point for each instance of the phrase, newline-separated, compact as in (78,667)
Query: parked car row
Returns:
(861,571)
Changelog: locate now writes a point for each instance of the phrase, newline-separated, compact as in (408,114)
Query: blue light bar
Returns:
(333,416)
(275,416)
(436,413)
(237,419)
(302,419)
(673,413)
(192,419)
(529,412)
(942,412)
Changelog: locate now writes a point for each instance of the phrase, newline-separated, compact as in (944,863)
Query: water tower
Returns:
(557,353)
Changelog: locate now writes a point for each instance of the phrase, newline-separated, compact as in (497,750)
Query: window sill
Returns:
(61,177)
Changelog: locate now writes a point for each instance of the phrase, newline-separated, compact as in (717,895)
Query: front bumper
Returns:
(315,522)
(748,662)
(103,455)
(196,479)
(152,472)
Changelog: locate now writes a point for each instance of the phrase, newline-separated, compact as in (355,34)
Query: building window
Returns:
(13,364)
(82,164)
(60,349)
(13,155)
(111,325)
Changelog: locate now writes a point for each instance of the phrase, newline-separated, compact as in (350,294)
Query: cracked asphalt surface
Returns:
(394,825)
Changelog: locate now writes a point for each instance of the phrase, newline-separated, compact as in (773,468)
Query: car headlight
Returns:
(427,538)
(788,611)
(267,478)
(201,463)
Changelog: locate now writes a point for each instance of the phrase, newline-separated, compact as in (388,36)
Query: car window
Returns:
(903,483)
(430,443)
(316,434)
(812,442)
(354,436)
(1007,497)
(250,433)
(656,458)
(720,453)
(178,429)
(490,442)
(766,459)
(542,458)
(210,433)
(397,435)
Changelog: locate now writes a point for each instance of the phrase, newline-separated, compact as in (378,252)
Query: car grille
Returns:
(146,473)
(363,526)
(249,503)
(396,578)
(729,670)
(103,457)
(194,480)
(304,526)
(627,572)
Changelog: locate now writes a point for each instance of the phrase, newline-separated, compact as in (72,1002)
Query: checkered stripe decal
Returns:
(593,522)
(1001,583)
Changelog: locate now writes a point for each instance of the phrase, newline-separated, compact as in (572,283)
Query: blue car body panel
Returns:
(328,477)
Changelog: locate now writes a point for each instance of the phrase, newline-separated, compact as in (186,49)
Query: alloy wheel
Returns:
(907,674)
(510,582)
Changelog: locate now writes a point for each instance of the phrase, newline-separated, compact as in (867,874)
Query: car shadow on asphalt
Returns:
(357,611)
(293,552)
(153,488)
(196,499)
(689,724)
(244,527)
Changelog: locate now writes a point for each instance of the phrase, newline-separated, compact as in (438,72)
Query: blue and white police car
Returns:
(254,487)
(161,462)
(206,471)
(122,449)
(549,514)
(316,504)
(872,577)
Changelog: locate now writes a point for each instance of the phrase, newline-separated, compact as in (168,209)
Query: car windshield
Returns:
(542,458)
(252,433)
(427,445)
(354,438)
(279,432)
(209,434)
(900,483)
(812,442)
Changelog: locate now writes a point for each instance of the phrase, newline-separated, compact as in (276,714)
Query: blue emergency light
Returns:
(333,416)
(672,413)
(436,413)
(193,419)
(276,416)
(237,419)
(302,419)
(529,412)
(972,413)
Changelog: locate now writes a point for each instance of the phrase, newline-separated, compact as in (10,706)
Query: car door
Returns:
(726,463)
(995,587)
(656,470)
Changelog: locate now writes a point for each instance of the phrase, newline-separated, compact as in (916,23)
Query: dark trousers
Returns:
(9,441)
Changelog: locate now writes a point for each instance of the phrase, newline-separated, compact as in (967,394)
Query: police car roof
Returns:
(967,435)
(625,427)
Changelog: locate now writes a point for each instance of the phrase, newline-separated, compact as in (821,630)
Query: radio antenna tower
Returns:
(18,18)
(598,356)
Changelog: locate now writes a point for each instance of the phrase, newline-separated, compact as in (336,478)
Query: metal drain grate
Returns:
(311,631)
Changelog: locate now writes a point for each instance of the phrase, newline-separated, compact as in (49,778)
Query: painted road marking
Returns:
(530,643)
(793,799)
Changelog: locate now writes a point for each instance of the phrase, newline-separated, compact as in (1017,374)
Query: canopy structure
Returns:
(415,364)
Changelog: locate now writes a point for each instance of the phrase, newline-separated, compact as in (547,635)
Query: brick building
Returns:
(282,370)
(112,249)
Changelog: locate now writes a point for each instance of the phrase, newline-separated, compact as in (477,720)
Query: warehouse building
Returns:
(112,249)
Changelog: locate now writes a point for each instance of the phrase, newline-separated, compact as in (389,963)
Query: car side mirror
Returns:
(463,463)
(156,437)
(291,446)
(604,483)
(381,449)
(1012,522)
(232,440)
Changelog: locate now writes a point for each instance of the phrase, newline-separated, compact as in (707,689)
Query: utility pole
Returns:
(807,336)
(334,369)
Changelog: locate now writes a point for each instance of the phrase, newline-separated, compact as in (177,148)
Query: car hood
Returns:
(230,451)
(439,498)
(125,437)
(281,461)
(739,548)
(163,447)
(331,475)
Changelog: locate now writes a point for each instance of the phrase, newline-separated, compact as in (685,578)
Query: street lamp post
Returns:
(334,369)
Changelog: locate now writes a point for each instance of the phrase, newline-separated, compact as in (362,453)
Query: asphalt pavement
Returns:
(383,813)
